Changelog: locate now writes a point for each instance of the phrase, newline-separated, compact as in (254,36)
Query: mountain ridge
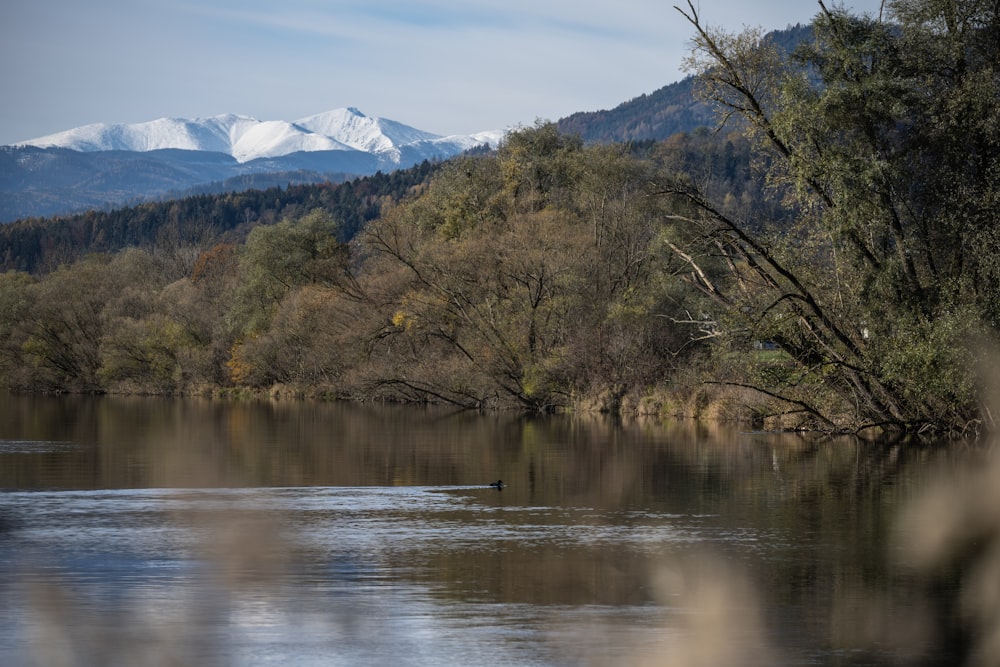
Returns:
(246,138)
(106,165)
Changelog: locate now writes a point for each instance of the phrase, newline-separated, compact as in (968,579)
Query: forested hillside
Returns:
(653,117)
(673,109)
(40,245)
(829,261)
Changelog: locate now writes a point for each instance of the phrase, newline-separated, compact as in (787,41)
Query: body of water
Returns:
(191,532)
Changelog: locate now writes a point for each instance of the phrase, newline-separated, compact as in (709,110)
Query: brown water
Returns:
(153,531)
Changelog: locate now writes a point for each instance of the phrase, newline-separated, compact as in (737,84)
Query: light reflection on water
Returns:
(35,446)
(341,597)
(148,531)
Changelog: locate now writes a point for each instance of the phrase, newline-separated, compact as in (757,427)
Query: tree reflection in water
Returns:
(152,531)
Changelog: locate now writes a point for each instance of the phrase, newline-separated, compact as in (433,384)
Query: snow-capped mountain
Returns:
(103,165)
(362,132)
(246,139)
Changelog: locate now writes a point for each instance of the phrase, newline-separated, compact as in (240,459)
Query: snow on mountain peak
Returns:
(246,138)
(275,138)
(363,133)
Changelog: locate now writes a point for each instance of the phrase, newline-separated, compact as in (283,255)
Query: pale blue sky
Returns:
(439,65)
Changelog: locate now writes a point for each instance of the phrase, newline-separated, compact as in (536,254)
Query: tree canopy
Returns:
(884,135)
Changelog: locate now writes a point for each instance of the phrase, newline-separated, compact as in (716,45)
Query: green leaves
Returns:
(279,258)
(885,136)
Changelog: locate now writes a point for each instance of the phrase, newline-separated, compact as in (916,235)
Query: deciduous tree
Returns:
(883,134)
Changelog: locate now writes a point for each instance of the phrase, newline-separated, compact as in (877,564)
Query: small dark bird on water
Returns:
(498,484)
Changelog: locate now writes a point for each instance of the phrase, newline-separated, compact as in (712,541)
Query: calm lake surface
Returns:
(140,531)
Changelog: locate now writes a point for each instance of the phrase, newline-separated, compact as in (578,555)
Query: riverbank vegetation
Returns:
(827,261)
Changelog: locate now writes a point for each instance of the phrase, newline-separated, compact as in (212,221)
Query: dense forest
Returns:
(829,261)
(37,245)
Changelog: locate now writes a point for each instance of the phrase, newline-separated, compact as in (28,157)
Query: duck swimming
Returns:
(498,484)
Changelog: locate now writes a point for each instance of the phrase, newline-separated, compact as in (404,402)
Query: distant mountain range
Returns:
(105,165)
(247,139)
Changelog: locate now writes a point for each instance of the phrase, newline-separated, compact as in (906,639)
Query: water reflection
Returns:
(194,532)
